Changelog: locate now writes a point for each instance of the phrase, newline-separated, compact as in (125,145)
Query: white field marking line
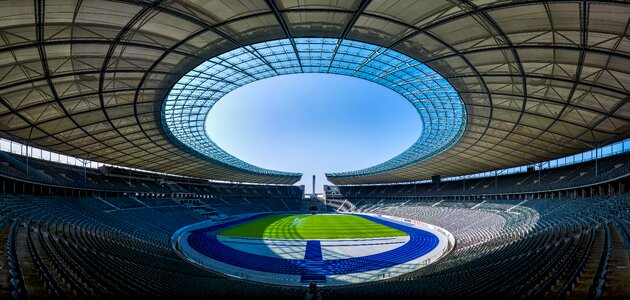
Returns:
(244,238)
(343,249)
(190,254)
(270,248)
(345,252)
(331,248)
(437,203)
(180,244)
(393,271)
(482,202)
(522,202)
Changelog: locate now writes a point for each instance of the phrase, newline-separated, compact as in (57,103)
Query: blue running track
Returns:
(314,263)
(420,243)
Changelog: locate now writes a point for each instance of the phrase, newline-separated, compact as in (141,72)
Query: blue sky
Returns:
(313,124)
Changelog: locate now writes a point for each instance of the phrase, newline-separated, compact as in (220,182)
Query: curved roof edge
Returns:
(185,109)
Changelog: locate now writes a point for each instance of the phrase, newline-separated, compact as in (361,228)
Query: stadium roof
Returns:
(187,105)
(539,80)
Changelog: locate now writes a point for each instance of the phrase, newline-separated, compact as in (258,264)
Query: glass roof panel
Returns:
(441,110)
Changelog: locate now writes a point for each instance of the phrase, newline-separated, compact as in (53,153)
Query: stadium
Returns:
(516,187)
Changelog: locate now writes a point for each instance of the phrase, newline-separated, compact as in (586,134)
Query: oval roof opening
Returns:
(313,123)
(186,107)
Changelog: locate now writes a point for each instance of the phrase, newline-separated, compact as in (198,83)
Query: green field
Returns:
(312,227)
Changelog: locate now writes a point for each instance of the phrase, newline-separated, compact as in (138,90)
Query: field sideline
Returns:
(305,226)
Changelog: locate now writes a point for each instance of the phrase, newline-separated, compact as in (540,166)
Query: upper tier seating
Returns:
(550,179)
(115,179)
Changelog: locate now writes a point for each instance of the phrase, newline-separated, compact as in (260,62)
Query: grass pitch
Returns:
(326,226)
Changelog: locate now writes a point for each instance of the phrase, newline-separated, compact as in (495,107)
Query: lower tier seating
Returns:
(58,247)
